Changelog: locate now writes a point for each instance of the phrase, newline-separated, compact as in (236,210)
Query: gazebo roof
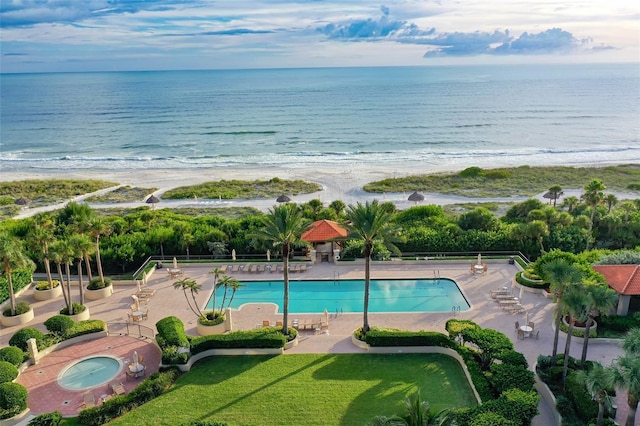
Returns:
(625,279)
(324,230)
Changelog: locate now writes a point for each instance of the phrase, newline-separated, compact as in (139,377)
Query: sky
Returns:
(127,35)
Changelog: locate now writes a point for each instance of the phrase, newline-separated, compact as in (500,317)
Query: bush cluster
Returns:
(59,324)
(152,387)
(8,372)
(48,419)
(19,339)
(20,279)
(257,338)
(171,338)
(13,399)
(44,285)
(77,308)
(97,284)
(22,307)
(12,354)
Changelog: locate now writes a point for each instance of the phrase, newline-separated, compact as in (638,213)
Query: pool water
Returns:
(399,295)
(89,372)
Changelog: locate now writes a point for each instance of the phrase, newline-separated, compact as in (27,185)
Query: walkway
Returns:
(485,311)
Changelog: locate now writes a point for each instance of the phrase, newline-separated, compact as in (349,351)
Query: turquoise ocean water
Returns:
(427,117)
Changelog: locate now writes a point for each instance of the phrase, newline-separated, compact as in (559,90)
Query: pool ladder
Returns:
(436,274)
(455,309)
(336,278)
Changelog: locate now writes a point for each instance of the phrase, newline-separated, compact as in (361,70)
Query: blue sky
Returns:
(96,35)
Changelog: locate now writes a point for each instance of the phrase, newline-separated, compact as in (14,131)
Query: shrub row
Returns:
(13,399)
(20,279)
(154,386)
(523,280)
(258,338)
(171,332)
(12,354)
(388,337)
(48,419)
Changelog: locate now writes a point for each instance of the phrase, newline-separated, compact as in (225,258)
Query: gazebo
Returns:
(326,236)
(625,280)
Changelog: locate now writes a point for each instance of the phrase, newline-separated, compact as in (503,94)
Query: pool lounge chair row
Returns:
(261,267)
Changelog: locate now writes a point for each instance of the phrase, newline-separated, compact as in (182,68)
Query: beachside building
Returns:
(625,280)
(326,238)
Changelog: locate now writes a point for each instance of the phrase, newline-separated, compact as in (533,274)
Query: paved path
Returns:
(484,311)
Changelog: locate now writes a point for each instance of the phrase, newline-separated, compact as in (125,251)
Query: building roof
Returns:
(625,279)
(324,230)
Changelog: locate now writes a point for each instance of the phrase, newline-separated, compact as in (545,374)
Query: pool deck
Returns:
(168,301)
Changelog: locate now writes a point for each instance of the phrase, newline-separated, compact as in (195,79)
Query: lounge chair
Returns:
(261,268)
(253,268)
(223,268)
(279,323)
(89,400)
(235,267)
(302,268)
(274,268)
(117,388)
(266,323)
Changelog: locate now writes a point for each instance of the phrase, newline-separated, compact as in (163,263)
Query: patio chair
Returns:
(279,324)
(520,334)
(266,323)
(535,333)
(532,325)
(89,400)
(295,323)
(145,315)
(117,388)
(517,325)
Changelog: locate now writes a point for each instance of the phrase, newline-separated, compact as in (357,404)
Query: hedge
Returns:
(385,337)
(506,376)
(585,407)
(13,399)
(8,372)
(152,387)
(59,324)
(171,332)
(48,419)
(259,338)
(85,327)
(19,339)
(20,279)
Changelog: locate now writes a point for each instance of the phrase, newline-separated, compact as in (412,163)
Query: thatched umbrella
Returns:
(283,199)
(416,197)
(22,201)
(153,200)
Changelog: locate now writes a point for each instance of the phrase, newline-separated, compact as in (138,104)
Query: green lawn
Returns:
(314,389)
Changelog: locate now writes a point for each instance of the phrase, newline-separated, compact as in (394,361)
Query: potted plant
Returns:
(43,290)
(98,289)
(80,311)
(23,314)
(211,322)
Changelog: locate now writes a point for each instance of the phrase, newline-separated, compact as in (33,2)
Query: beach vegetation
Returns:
(51,191)
(12,257)
(233,189)
(123,194)
(521,181)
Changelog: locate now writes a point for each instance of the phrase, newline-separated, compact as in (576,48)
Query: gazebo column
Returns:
(623,304)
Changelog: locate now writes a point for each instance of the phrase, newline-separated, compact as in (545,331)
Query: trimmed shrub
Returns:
(269,337)
(154,386)
(21,278)
(477,376)
(211,318)
(97,284)
(385,337)
(19,339)
(173,355)
(81,328)
(204,423)
(491,419)
(519,406)
(585,407)
(455,327)
(22,307)
(171,331)
(506,376)
(77,308)
(48,419)
(513,358)
(44,285)
(59,324)
(8,372)
(12,355)
(13,399)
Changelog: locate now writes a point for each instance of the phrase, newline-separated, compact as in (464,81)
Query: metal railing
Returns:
(130,329)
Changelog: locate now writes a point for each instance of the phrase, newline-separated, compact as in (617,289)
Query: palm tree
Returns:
(63,252)
(575,303)
(537,229)
(561,275)
(217,275)
(570,202)
(41,236)
(610,200)
(13,257)
(282,227)
(554,193)
(593,197)
(370,223)
(85,245)
(598,381)
(76,242)
(601,300)
(97,228)
(57,252)
(626,373)
(193,287)
(628,207)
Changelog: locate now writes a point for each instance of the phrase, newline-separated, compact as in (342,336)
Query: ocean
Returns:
(429,118)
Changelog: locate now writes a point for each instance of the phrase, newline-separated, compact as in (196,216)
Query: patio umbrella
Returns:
(233,255)
(283,199)
(22,201)
(175,263)
(153,200)
(136,302)
(479,259)
(416,197)
(268,255)
(135,358)
(326,316)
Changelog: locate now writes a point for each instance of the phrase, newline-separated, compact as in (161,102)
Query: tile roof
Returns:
(324,230)
(625,279)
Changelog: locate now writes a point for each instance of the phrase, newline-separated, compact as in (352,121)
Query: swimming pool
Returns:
(398,295)
(89,372)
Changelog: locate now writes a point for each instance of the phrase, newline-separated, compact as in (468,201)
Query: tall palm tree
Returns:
(97,228)
(41,237)
(601,300)
(598,381)
(628,207)
(282,227)
(537,230)
(58,253)
(561,274)
(593,197)
(217,275)
(610,200)
(76,242)
(13,257)
(86,246)
(570,203)
(370,223)
(575,303)
(193,287)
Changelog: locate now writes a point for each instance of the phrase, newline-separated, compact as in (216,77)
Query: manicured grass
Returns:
(230,189)
(124,194)
(512,182)
(51,191)
(309,389)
